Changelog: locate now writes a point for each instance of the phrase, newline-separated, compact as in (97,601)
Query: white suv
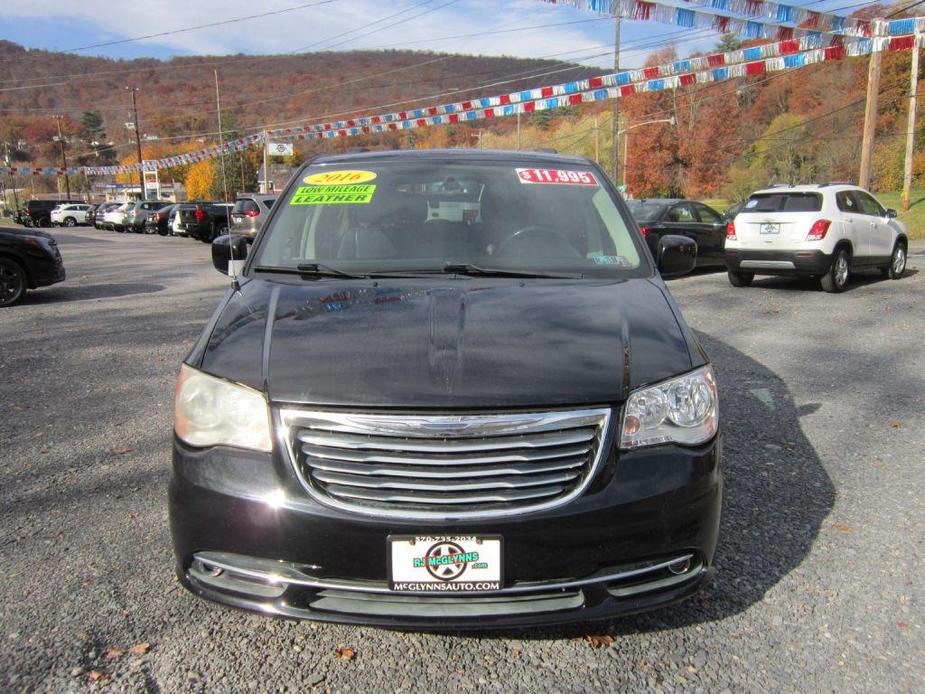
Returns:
(69,215)
(822,231)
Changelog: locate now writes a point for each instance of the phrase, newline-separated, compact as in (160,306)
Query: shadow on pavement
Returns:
(777,495)
(87,291)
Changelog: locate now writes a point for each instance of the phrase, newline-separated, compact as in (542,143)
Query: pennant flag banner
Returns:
(757,60)
(764,19)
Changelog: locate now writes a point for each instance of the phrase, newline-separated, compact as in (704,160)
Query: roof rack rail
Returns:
(836,183)
(781,185)
(546,150)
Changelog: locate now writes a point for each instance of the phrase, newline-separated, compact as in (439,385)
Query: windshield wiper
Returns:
(476,270)
(309,270)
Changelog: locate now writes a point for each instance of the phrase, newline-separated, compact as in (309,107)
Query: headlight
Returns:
(211,412)
(683,410)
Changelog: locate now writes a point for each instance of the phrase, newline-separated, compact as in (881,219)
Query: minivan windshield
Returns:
(431,216)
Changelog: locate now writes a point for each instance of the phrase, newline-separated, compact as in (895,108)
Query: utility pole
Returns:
(910,127)
(141,187)
(615,105)
(67,180)
(12,178)
(518,130)
(870,115)
(626,149)
(265,186)
(597,139)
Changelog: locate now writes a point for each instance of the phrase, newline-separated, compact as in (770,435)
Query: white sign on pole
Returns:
(279,149)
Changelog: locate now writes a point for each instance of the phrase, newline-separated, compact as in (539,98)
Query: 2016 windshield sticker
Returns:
(556,177)
(333,178)
(333,195)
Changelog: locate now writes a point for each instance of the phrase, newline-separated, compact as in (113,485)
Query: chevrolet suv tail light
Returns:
(252,213)
(200,214)
(731,232)
(818,230)
(645,231)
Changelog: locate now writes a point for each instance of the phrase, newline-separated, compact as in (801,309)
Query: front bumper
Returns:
(642,536)
(766,262)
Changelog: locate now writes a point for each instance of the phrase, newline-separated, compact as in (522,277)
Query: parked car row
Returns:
(822,231)
(201,220)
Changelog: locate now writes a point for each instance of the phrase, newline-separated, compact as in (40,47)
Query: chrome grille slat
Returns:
(392,443)
(446,485)
(445,466)
(405,497)
(444,471)
(510,457)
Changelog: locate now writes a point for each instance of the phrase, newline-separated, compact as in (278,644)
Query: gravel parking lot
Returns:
(820,565)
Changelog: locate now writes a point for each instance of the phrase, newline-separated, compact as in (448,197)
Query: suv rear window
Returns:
(245,205)
(783,202)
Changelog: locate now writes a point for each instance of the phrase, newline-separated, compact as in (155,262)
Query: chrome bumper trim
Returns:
(287,573)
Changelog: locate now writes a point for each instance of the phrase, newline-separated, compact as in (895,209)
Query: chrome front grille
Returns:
(445,466)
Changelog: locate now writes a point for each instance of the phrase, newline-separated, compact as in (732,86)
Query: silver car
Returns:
(249,213)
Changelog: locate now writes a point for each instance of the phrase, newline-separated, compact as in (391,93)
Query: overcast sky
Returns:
(339,25)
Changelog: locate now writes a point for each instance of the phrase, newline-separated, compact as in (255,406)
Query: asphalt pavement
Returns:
(819,581)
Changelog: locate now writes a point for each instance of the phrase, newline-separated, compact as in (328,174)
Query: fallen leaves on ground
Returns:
(113,653)
(599,640)
(98,676)
(140,648)
(844,528)
(345,653)
(895,424)
(122,450)
(45,448)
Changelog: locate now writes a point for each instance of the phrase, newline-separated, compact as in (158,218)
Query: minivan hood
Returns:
(447,343)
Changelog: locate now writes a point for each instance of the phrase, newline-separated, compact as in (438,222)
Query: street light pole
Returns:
(141,187)
(67,180)
(625,132)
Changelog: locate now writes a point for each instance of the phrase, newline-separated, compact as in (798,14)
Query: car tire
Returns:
(740,279)
(13,282)
(836,279)
(45,223)
(70,222)
(897,266)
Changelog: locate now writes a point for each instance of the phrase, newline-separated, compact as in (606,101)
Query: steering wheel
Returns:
(546,242)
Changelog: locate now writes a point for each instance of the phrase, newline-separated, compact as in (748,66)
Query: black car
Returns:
(447,388)
(37,213)
(159,221)
(29,258)
(204,221)
(660,216)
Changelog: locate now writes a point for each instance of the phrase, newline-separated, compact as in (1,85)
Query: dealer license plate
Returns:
(445,563)
(770,228)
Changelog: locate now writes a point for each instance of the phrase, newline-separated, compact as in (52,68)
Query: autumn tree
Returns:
(200,180)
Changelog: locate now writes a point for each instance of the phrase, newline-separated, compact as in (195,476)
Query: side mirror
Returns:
(891,213)
(676,256)
(228,247)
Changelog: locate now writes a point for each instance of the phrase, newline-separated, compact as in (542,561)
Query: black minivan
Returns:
(447,389)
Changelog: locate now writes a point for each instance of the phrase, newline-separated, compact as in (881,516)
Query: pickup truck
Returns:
(203,220)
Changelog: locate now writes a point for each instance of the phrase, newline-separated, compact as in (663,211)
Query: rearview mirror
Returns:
(676,256)
(226,248)
(891,213)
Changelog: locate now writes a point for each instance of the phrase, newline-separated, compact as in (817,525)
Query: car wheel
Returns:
(70,222)
(897,262)
(740,279)
(12,282)
(836,279)
(45,223)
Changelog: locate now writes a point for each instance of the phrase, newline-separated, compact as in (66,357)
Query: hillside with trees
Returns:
(726,138)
